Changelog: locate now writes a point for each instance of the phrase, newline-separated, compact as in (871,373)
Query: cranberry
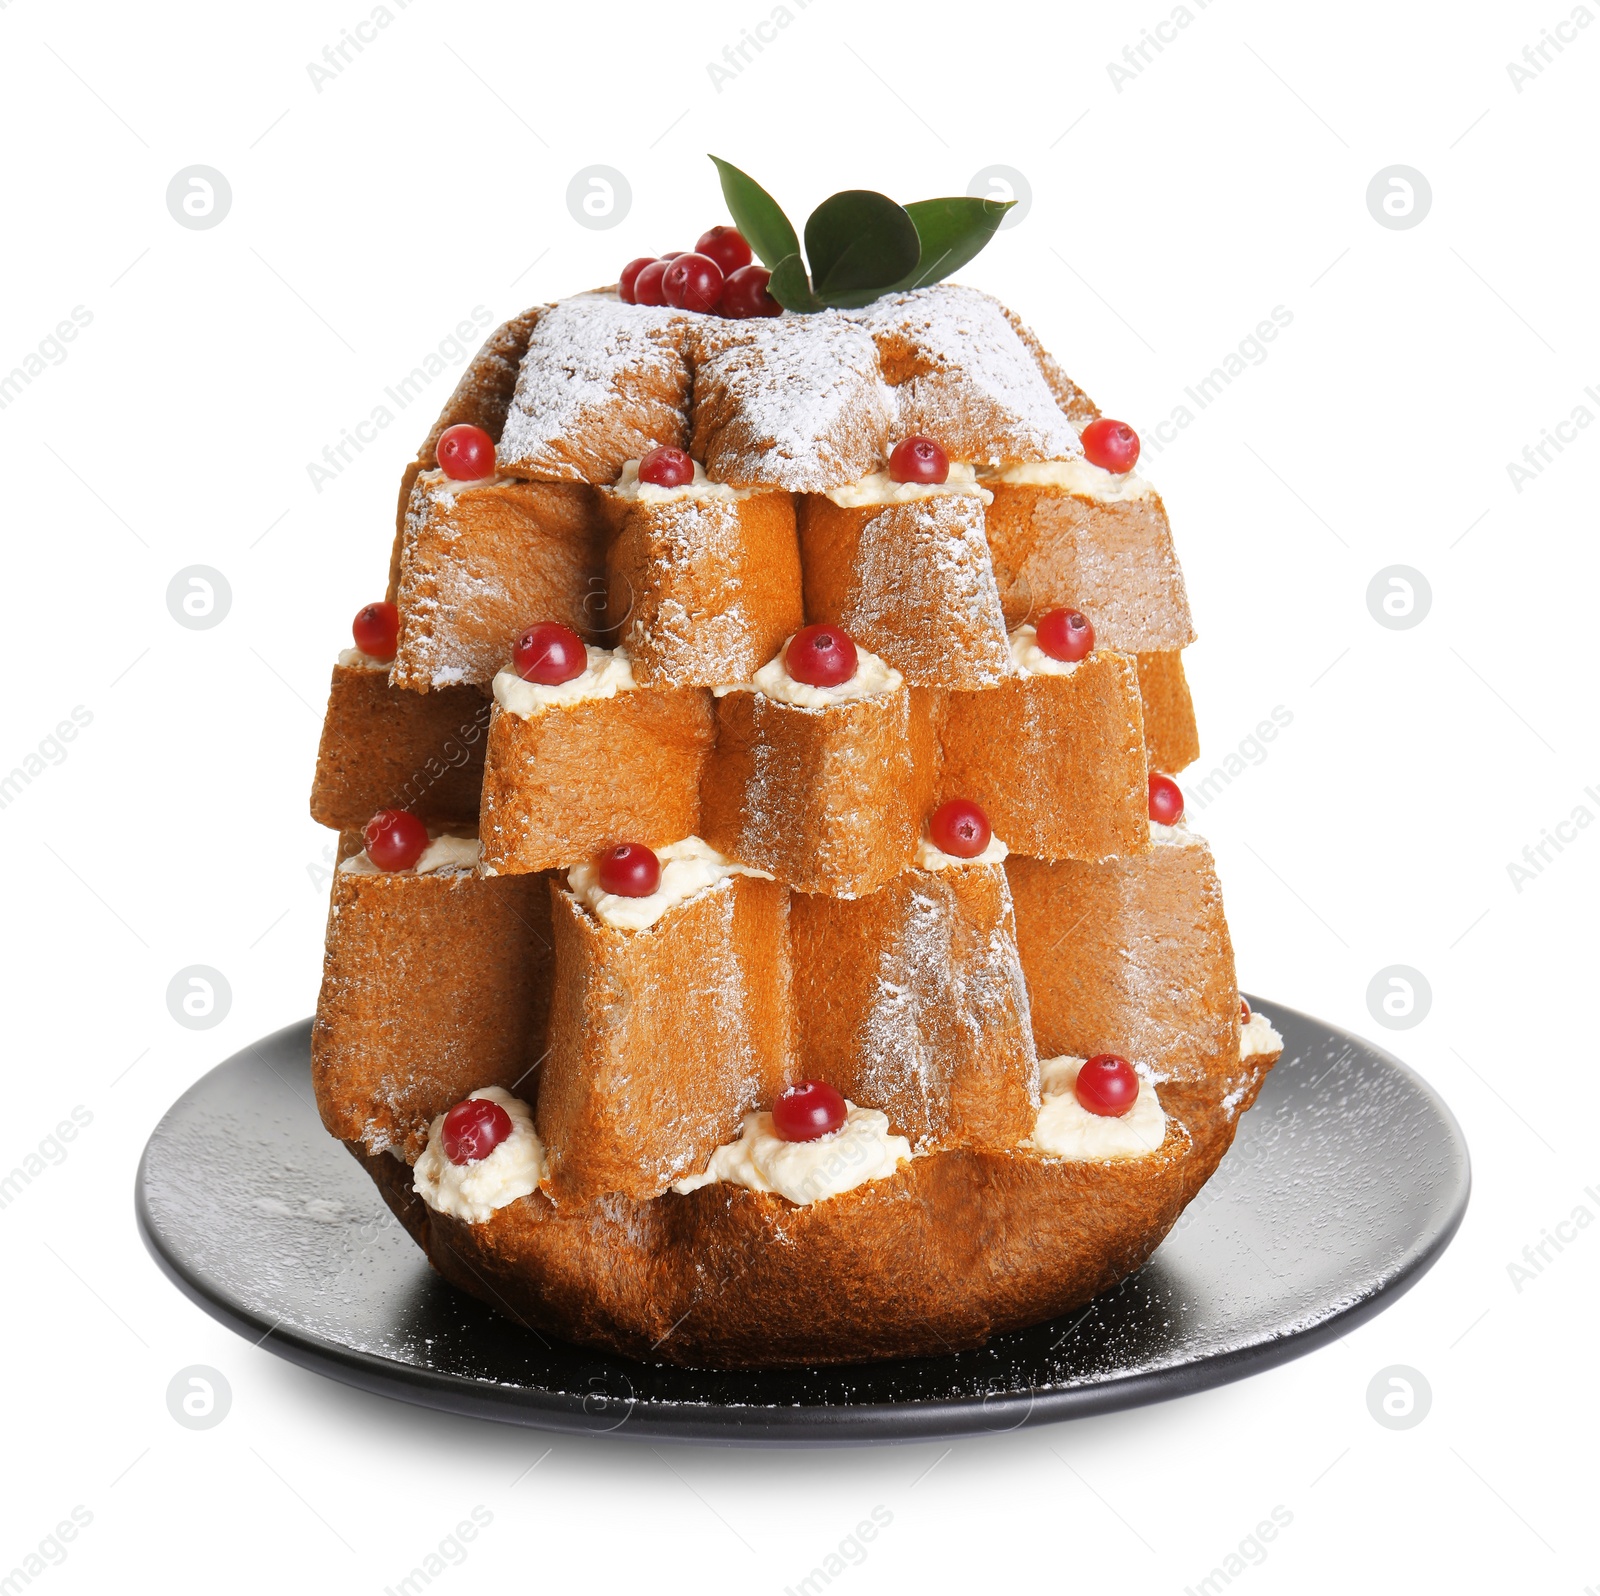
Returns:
(1111,445)
(726,246)
(395,839)
(1166,799)
(745,294)
(1106,1085)
(630,870)
(1244,1011)
(919,460)
(376,630)
(692,282)
(1065,634)
(647,285)
(629,273)
(960,828)
(821,656)
(466,453)
(666,468)
(549,654)
(473,1129)
(807,1110)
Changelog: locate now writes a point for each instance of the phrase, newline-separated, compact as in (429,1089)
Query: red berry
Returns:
(376,630)
(961,828)
(466,453)
(821,656)
(1166,799)
(745,294)
(807,1110)
(473,1129)
(629,273)
(1244,1012)
(919,460)
(549,654)
(630,870)
(692,282)
(1106,1085)
(666,468)
(647,284)
(395,839)
(1065,634)
(726,246)
(1111,445)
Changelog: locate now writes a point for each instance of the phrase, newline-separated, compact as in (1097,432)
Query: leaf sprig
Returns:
(859,243)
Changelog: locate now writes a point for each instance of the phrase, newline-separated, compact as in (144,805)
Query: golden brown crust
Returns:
(1171,737)
(481,564)
(564,784)
(828,800)
(486,386)
(383,748)
(1114,560)
(1056,762)
(1133,957)
(432,986)
(704,591)
(912,582)
(912,1000)
(661,1040)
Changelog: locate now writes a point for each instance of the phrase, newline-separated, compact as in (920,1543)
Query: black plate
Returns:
(1346,1183)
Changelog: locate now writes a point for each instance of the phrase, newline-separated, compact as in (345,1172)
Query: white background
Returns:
(1168,217)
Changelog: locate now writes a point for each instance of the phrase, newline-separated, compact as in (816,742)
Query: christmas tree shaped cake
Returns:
(765,929)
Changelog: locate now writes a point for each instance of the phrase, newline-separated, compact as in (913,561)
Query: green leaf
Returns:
(788,285)
(757,215)
(951,231)
(859,239)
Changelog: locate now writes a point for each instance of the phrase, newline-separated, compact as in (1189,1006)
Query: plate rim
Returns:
(910,1420)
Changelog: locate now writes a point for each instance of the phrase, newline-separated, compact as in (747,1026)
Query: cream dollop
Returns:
(1078,476)
(873,676)
(442,854)
(353,659)
(931,857)
(607,673)
(1028,659)
(878,487)
(806,1172)
(628,486)
(1178,836)
(473,1191)
(688,868)
(1066,1129)
(442,489)
(1257,1035)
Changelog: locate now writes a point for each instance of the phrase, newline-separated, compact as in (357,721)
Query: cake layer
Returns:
(1112,559)
(383,748)
(1171,737)
(481,562)
(703,589)
(569,780)
(829,799)
(912,999)
(1056,759)
(432,986)
(912,581)
(1132,957)
(662,1039)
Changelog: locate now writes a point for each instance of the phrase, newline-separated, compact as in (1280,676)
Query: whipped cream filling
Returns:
(1028,659)
(1079,476)
(353,659)
(443,854)
(878,487)
(628,486)
(688,868)
(1066,1129)
(932,857)
(1258,1035)
(873,676)
(442,489)
(608,672)
(473,1191)
(1178,836)
(806,1172)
